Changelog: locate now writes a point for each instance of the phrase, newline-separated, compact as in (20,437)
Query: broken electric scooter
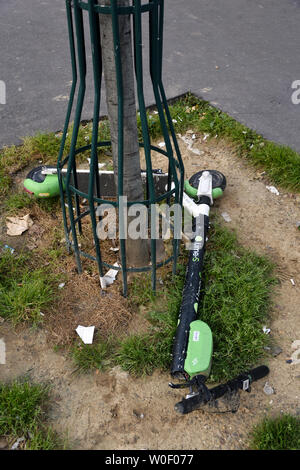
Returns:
(193,343)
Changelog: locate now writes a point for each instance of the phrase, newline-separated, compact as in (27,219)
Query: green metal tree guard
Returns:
(69,190)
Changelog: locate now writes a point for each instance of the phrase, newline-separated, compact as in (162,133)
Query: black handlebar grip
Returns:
(259,373)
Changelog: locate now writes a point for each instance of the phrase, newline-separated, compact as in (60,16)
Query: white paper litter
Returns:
(17,225)
(109,277)
(190,142)
(205,137)
(17,443)
(273,190)
(296,355)
(293,282)
(61,285)
(86,333)
(266,330)
(161,144)
(226,217)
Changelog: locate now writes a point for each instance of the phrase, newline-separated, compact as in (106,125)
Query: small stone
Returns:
(275,351)
(3,444)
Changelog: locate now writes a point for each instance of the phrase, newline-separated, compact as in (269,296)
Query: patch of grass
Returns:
(141,292)
(142,354)
(281,163)
(235,306)
(21,407)
(17,201)
(45,438)
(24,291)
(22,414)
(50,205)
(280,433)
(97,356)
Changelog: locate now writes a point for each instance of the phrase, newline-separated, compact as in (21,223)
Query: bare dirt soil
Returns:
(113,410)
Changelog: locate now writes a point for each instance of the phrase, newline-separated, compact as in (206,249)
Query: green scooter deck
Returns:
(200,349)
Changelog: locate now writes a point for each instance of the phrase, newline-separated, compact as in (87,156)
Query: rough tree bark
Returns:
(137,250)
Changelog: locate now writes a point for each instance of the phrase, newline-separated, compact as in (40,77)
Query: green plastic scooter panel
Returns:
(200,349)
(48,188)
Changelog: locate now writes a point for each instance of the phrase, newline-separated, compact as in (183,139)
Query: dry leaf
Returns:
(17,225)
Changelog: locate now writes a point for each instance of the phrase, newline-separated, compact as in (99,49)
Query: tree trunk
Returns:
(137,251)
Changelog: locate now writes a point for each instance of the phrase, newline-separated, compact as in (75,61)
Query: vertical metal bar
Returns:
(119,77)
(179,197)
(81,94)
(67,120)
(94,170)
(164,99)
(143,114)
(155,28)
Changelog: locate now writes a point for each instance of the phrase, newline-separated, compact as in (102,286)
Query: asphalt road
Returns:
(241,55)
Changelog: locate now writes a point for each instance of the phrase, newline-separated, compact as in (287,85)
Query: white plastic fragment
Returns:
(86,333)
(268,390)
(49,171)
(2,351)
(61,285)
(205,137)
(7,247)
(109,277)
(266,330)
(293,282)
(296,355)
(161,144)
(273,190)
(17,443)
(226,217)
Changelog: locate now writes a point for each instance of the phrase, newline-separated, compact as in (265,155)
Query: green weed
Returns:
(23,413)
(280,433)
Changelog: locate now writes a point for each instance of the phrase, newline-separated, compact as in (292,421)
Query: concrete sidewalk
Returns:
(240,55)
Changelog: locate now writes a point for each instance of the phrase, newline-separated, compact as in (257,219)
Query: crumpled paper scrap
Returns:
(86,333)
(109,277)
(17,225)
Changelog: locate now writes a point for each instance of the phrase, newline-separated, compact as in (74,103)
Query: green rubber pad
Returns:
(200,349)
(192,192)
